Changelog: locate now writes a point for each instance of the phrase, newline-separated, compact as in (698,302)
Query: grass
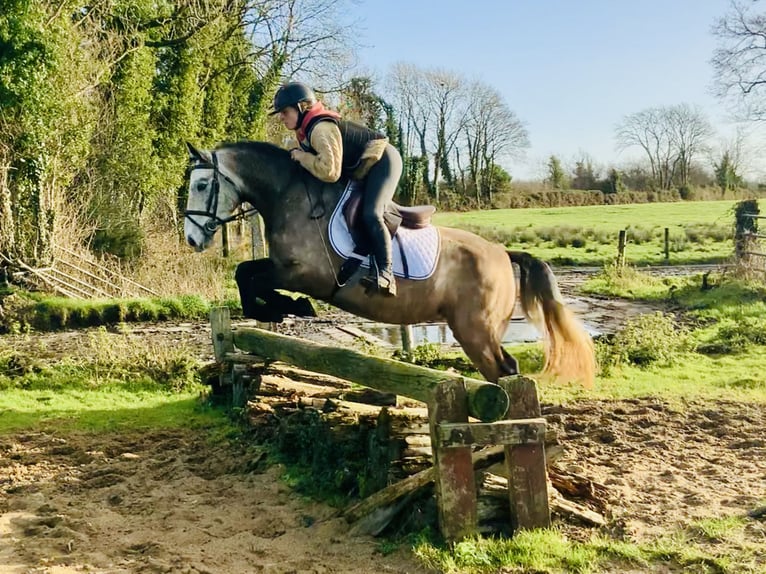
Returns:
(109,408)
(700,232)
(550,551)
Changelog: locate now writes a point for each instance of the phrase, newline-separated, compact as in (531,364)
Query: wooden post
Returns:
(621,248)
(406,332)
(225,240)
(455,482)
(257,237)
(525,463)
(667,245)
(220,327)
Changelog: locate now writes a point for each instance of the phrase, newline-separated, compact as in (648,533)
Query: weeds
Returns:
(646,340)
(107,360)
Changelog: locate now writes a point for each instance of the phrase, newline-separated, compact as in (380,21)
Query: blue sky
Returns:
(570,69)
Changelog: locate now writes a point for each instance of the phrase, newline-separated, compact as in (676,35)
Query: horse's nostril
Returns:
(190,241)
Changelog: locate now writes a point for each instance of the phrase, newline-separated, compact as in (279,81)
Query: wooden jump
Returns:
(509,415)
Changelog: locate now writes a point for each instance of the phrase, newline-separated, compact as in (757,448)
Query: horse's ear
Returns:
(194,153)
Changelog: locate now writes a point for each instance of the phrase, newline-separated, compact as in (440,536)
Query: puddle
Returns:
(599,316)
(518,331)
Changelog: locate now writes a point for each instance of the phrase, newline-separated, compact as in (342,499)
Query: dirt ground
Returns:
(167,501)
(163,502)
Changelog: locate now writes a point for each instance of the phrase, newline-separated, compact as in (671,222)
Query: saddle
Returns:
(394,217)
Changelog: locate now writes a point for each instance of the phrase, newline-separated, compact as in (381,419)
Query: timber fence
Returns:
(507,414)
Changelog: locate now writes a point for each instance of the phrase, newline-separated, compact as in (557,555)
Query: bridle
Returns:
(211,208)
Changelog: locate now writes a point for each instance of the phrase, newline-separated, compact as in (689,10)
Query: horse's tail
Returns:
(569,353)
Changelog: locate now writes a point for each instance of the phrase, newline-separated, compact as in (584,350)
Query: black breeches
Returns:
(380,186)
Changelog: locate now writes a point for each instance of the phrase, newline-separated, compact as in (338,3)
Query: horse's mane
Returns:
(255,146)
(270,154)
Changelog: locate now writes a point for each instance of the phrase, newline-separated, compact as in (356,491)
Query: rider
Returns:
(331,146)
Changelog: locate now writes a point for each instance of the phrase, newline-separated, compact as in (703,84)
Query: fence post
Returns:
(406,333)
(525,464)
(667,245)
(257,237)
(621,248)
(223,336)
(455,482)
(225,239)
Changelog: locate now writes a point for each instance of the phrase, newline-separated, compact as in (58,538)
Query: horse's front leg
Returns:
(257,282)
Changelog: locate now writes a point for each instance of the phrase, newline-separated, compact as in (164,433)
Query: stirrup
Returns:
(383,282)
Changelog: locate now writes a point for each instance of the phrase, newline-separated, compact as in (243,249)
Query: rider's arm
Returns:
(328,145)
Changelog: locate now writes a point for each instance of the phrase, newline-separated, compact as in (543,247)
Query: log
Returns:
(487,402)
(494,487)
(301,375)
(409,485)
(579,486)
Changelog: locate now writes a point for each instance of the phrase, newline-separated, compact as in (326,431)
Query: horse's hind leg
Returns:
(482,345)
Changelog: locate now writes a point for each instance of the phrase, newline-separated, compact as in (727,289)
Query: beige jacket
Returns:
(328,161)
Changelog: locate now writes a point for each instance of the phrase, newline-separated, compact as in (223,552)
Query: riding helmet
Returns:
(292,93)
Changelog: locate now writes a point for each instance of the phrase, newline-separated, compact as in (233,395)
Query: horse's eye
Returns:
(201,185)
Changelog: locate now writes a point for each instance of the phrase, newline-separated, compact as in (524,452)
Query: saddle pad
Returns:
(421,246)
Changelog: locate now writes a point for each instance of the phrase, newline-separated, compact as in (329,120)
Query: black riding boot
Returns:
(381,277)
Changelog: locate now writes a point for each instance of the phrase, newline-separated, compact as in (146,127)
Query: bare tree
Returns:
(446,96)
(299,38)
(491,134)
(409,88)
(670,137)
(690,131)
(739,61)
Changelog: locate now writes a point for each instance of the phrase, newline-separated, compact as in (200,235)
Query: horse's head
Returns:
(213,197)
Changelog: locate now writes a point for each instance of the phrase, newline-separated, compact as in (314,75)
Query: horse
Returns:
(472,287)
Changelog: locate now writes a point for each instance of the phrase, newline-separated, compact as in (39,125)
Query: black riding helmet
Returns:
(292,93)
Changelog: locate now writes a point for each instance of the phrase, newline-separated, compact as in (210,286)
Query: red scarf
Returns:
(317,110)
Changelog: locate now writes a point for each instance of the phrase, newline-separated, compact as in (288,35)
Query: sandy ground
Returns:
(160,502)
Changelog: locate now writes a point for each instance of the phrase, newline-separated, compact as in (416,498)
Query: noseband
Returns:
(211,208)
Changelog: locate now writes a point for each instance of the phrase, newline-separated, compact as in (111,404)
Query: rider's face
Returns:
(289,117)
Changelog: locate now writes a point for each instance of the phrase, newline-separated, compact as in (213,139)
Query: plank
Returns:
(455,481)
(525,464)
(510,432)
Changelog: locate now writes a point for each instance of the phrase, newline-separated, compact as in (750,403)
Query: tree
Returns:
(491,134)
(670,136)
(584,175)
(726,176)
(407,85)
(739,61)
(556,176)
(360,103)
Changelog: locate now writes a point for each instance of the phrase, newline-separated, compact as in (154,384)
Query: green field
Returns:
(699,232)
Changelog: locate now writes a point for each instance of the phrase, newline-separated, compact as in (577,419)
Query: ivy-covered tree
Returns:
(556,175)
(726,176)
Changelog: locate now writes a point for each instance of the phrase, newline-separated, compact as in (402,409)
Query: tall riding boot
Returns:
(381,277)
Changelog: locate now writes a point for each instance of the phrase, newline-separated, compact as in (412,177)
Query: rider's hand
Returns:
(296,153)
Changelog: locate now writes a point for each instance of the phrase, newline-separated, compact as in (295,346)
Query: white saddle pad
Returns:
(420,246)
